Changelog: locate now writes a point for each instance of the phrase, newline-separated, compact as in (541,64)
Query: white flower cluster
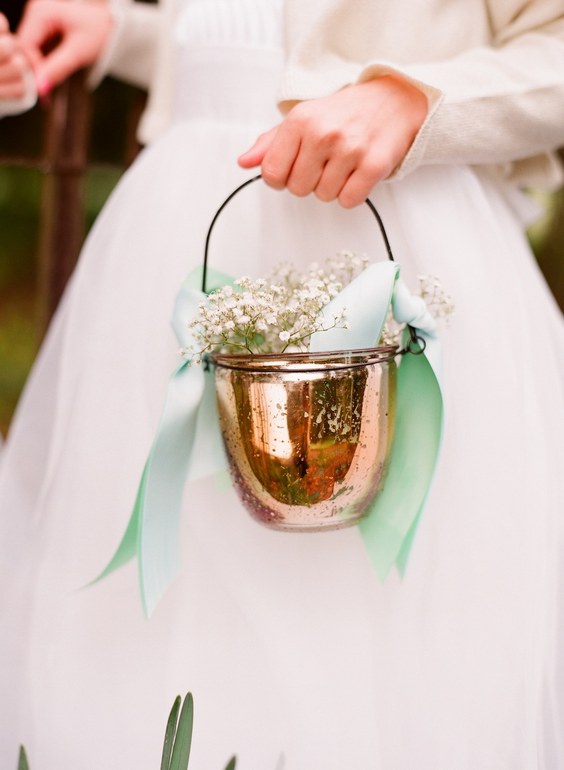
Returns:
(340,269)
(276,314)
(438,301)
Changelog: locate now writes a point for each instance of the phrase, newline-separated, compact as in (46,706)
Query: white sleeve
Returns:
(491,105)
(130,53)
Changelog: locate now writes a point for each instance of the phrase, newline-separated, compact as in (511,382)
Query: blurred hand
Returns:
(340,146)
(14,66)
(61,37)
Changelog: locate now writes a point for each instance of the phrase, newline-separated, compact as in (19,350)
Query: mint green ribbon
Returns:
(153,531)
(188,441)
(389,526)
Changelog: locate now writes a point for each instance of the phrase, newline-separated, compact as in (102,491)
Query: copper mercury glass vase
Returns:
(307,435)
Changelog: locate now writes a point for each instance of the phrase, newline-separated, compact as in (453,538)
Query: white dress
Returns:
(297,656)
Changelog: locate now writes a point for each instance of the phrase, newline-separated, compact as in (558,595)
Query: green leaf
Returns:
(231,764)
(183,740)
(22,761)
(169,733)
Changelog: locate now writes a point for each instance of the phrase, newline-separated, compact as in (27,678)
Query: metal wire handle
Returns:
(416,344)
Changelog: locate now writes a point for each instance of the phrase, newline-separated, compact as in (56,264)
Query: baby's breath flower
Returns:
(282,311)
(439,304)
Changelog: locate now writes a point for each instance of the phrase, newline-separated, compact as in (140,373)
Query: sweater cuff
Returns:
(129,52)
(434,98)
(100,68)
(27,101)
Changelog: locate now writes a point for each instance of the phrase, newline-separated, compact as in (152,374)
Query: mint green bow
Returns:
(188,434)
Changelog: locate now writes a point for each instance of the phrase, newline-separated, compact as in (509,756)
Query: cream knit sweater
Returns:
(492,70)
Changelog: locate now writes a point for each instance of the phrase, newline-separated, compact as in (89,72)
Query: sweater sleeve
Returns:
(491,105)
(130,53)
(27,101)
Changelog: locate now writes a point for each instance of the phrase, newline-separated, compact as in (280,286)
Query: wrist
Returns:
(405,98)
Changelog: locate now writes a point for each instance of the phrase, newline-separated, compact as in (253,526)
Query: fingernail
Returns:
(43,85)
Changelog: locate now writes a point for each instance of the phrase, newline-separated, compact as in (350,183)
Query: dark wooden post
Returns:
(62,210)
(549,253)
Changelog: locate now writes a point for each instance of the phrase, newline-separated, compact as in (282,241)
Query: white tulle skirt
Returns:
(297,656)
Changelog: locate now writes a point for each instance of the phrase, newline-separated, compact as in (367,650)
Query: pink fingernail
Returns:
(43,85)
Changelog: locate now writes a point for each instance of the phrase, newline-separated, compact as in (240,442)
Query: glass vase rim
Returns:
(304,361)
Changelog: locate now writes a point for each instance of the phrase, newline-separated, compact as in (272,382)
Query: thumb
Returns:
(254,156)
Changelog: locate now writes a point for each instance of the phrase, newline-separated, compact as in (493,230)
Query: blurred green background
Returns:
(20,199)
(22,138)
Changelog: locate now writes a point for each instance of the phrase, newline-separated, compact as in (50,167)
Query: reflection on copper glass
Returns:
(307,436)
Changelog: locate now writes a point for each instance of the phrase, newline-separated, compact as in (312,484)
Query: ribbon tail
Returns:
(389,527)
(153,530)
(405,550)
(162,486)
(127,549)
